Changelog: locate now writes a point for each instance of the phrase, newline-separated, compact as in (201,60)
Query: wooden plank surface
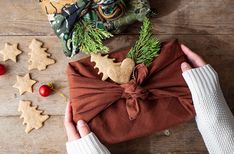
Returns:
(24,17)
(207,26)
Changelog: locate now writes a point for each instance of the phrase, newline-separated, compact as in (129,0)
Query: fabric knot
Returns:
(133,92)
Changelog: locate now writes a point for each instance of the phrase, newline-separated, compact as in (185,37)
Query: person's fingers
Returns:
(72,133)
(185,66)
(83,128)
(195,59)
(68,113)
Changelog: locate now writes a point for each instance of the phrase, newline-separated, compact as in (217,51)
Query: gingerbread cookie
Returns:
(118,72)
(24,84)
(33,118)
(39,58)
(10,52)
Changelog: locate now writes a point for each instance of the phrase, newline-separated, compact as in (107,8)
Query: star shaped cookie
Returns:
(24,84)
(10,52)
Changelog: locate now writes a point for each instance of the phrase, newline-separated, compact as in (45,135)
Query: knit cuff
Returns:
(86,145)
(202,81)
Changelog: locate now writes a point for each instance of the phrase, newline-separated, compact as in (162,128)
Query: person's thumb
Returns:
(83,128)
(185,66)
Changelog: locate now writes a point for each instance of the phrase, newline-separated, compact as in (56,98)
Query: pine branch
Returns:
(147,46)
(89,38)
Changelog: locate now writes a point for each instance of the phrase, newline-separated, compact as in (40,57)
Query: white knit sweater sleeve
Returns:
(86,145)
(214,119)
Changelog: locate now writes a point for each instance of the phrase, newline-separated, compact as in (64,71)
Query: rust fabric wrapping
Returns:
(156,98)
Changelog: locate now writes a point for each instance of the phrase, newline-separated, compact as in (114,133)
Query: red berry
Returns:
(45,90)
(2,69)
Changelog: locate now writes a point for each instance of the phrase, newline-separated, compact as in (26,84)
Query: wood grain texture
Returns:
(25,17)
(184,137)
(48,140)
(207,26)
(51,139)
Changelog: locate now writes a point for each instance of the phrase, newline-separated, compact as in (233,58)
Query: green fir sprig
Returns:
(147,46)
(89,38)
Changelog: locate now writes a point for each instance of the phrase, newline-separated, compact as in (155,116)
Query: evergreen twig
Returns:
(147,46)
(90,38)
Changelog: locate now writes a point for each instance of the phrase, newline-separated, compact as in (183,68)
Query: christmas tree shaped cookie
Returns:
(39,58)
(10,52)
(33,118)
(117,72)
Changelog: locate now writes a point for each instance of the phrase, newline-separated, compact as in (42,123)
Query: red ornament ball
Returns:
(2,69)
(45,90)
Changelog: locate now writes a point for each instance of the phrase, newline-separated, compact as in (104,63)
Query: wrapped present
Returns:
(156,98)
(110,15)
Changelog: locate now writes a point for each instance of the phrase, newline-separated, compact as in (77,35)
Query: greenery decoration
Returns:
(89,38)
(147,46)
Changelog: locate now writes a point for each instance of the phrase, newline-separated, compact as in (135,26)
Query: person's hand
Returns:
(194,59)
(74,132)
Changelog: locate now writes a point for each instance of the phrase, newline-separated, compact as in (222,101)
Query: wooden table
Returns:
(207,26)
